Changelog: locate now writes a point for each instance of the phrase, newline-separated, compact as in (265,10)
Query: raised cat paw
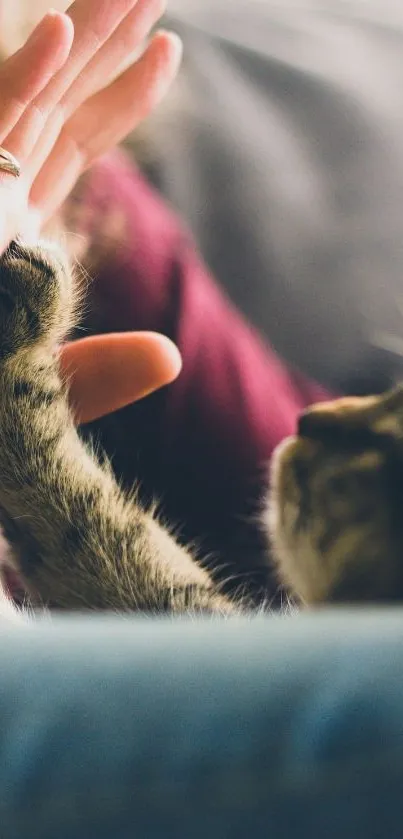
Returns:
(36,297)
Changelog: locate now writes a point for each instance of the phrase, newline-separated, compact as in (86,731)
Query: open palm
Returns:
(62,104)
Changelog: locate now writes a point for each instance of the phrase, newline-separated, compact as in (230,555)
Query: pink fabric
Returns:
(203,444)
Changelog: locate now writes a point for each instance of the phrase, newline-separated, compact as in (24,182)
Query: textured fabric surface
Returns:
(154,729)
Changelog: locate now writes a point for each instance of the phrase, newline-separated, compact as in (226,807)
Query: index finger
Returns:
(108,372)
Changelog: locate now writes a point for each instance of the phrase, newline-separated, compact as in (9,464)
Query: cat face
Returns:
(336,510)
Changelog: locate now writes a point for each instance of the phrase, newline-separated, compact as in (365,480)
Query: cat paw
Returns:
(36,297)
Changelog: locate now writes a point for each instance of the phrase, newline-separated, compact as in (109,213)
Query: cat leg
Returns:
(77,540)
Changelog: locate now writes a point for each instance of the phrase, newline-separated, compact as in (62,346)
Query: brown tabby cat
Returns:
(336,511)
(77,541)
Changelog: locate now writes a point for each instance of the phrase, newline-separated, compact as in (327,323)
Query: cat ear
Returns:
(376,414)
(388,417)
(347,414)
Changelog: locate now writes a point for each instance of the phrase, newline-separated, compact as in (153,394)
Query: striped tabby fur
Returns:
(336,508)
(76,540)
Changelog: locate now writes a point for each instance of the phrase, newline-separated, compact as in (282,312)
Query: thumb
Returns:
(107,372)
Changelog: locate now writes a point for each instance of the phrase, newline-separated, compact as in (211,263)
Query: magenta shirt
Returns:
(203,444)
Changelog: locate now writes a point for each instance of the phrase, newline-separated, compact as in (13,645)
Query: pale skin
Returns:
(54,94)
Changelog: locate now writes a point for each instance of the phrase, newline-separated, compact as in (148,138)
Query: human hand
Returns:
(107,372)
(59,110)
(57,115)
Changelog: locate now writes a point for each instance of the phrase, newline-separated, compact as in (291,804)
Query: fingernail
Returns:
(38,33)
(175,40)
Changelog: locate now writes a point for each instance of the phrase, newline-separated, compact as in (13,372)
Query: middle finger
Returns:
(127,37)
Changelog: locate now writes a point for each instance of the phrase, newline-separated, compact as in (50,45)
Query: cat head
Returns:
(336,508)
